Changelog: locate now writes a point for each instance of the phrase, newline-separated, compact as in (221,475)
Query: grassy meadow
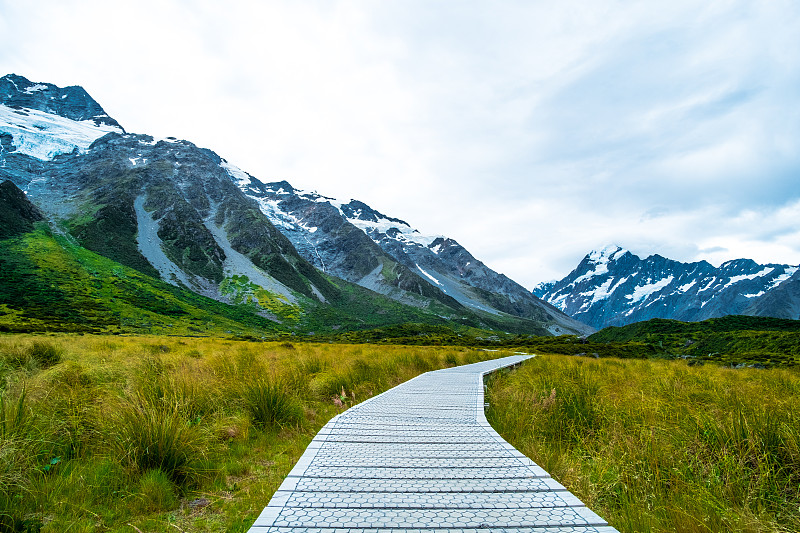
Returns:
(157,434)
(657,445)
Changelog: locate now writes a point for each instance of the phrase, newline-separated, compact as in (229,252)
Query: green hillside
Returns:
(48,283)
(726,324)
(735,340)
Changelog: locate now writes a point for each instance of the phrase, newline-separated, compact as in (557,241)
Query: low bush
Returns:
(156,436)
(269,405)
(156,492)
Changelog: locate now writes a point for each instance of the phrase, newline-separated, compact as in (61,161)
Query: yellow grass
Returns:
(660,446)
(156,433)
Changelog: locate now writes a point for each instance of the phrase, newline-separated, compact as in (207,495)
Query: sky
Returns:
(531,132)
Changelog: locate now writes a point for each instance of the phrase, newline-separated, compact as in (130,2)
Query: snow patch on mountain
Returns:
(737,279)
(401,232)
(602,268)
(44,135)
(604,255)
(755,295)
(684,288)
(643,291)
(239,176)
(281,218)
(424,273)
(36,88)
(787,273)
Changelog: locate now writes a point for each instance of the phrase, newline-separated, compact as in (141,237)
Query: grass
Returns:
(657,445)
(156,436)
(270,405)
(165,433)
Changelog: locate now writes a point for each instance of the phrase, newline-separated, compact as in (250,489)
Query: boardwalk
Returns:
(421,457)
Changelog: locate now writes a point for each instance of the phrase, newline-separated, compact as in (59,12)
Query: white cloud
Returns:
(531,132)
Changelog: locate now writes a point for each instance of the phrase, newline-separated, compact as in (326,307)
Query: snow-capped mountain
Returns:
(181,213)
(45,121)
(385,254)
(613,287)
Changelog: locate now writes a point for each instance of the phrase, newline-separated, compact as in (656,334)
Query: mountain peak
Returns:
(357,210)
(71,102)
(42,121)
(608,253)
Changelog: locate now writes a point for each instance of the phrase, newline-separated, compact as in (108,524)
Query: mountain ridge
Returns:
(613,287)
(313,221)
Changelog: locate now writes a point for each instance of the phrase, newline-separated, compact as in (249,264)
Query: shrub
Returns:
(156,492)
(45,354)
(150,436)
(269,405)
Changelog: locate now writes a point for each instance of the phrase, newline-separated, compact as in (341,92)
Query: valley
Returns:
(174,331)
(113,432)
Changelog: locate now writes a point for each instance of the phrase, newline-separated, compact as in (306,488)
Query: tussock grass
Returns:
(131,430)
(38,354)
(156,436)
(156,492)
(270,405)
(659,445)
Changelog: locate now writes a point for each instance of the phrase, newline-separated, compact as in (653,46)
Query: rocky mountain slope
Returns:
(182,214)
(353,241)
(613,287)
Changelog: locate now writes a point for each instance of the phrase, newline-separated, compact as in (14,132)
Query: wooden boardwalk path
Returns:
(421,457)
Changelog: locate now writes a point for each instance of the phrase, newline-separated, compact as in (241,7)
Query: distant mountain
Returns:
(184,215)
(613,287)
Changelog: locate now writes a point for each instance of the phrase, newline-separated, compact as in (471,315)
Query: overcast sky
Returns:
(531,132)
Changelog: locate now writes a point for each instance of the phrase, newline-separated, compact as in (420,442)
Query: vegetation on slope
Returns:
(726,324)
(733,340)
(661,446)
(113,433)
(48,283)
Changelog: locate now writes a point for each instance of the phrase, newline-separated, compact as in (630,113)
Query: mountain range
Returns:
(613,287)
(192,228)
